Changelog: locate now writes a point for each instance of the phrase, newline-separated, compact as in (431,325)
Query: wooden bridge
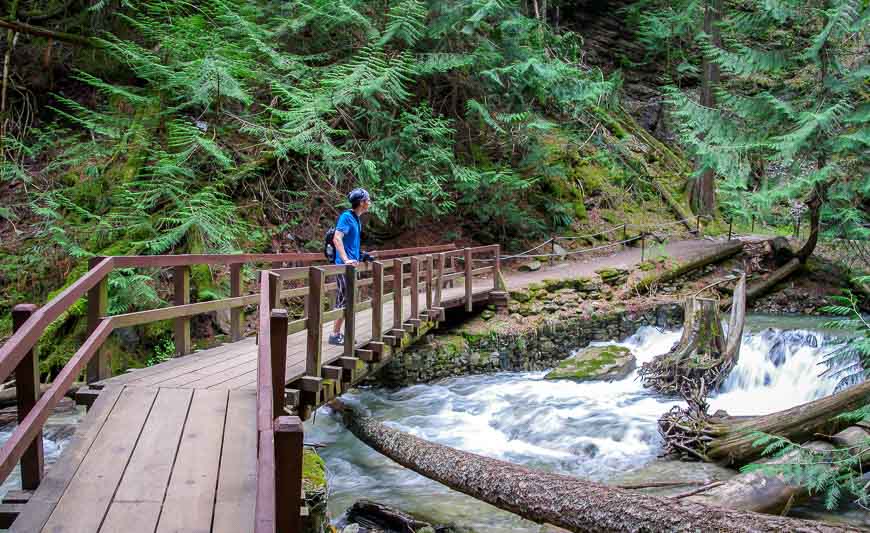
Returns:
(212,441)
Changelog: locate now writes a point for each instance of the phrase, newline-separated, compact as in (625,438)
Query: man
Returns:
(348,232)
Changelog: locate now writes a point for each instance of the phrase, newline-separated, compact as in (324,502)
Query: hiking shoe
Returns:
(336,339)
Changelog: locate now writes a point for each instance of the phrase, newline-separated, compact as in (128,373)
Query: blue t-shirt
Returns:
(348,224)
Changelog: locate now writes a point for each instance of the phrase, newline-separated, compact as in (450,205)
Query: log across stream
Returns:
(597,431)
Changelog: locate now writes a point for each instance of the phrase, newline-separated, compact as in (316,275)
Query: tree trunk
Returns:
(557,499)
(703,357)
(702,194)
(731,442)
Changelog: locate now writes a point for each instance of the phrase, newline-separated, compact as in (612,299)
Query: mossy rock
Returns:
(596,363)
(647,266)
(313,472)
(521,296)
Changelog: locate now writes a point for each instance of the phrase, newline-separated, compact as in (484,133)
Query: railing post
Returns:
(698,225)
(350,311)
(415,287)
(274,291)
(315,322)
(398,296)
(236,331)
(288,476)
(377,301)
(27,392)
(439,285)
(496,271)
(625,235)
(453,268)
(429,270)
(278,345)
(98,307)
(469,293)
(181,281)
(730,226)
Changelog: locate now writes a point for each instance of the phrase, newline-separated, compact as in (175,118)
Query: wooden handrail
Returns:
(32,424)
(23,340)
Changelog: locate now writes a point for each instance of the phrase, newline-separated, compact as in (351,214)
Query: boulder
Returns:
(596,363)
(531,266)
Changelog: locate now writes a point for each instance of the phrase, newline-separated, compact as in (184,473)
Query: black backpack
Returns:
(329,247)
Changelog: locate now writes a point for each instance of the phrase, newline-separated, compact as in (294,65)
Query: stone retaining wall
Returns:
(454,353)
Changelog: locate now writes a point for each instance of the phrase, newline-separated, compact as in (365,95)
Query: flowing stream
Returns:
(595,430)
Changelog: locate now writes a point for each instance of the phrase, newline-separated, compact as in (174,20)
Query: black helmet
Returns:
(357,196)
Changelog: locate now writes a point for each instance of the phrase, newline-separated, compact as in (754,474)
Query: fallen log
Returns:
(762,287)
(764,492)
(728,440)
(564,501)
(728,249)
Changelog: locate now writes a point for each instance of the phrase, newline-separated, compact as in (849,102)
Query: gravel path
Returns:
(626,258)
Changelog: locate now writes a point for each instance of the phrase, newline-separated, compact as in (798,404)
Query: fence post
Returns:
(415,287)
(315,322)
(439,285)
(377,301)
(730,226)
(350,311)
(624,235)
(181,281)
(278,344)
(429,271)
(397,294)
(753,224)
(469,286)
(236,331)
(642,245)
(27,394)
(98,307)
(288,475)
(496,272)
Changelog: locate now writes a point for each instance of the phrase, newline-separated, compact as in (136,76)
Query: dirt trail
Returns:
(626,258)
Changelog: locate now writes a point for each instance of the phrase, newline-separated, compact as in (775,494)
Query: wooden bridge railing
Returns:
(18,355)
(279,482)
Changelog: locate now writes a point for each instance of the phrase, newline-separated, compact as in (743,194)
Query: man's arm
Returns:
(338,241)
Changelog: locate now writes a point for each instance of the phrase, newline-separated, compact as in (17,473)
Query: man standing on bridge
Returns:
(348,233)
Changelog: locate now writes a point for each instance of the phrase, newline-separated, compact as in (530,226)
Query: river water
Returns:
(594,430)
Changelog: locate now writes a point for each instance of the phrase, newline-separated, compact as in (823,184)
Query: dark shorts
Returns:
(340,292)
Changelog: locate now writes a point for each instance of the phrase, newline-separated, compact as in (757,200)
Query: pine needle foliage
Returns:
(791,115)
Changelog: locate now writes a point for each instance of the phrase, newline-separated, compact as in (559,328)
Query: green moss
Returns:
(590,367)
(313,472)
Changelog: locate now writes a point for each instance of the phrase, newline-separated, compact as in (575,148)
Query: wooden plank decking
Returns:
(173,447)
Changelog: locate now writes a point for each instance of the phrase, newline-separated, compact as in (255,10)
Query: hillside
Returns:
(214,127)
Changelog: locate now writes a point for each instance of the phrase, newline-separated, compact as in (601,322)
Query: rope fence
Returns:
(625,240)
